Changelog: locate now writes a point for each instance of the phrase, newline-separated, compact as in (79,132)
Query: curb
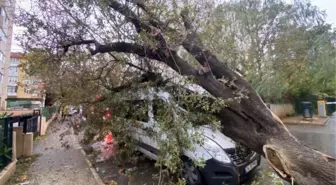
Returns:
(93,171)
(304,124)
(309,124)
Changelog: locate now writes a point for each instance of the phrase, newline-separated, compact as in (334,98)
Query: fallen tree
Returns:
(248,121)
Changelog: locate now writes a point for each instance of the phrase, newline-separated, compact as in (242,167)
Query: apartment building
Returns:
(23,91)
(13,74)
(6,30)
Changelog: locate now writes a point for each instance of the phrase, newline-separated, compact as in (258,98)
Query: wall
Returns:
(24,143)
(27,88)
(5,47)
(28,83)
(282,110)
(45,124)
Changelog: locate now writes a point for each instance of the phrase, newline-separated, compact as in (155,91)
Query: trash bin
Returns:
(307,109)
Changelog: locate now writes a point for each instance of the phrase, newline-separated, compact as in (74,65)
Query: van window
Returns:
(138,110)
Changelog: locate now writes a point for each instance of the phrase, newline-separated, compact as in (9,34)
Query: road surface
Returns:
(321,138)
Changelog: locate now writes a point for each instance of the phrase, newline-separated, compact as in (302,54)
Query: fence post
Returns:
(7,140)
(25,126)
(40,115)
(14,151)
(4,140)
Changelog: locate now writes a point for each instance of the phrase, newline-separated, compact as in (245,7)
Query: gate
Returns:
(32,124)
(29,123)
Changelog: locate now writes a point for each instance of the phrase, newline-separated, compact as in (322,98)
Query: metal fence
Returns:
(48,112)
(6,138)
(29,123)
(331,105)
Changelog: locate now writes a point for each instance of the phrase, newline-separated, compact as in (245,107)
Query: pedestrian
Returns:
(64,112)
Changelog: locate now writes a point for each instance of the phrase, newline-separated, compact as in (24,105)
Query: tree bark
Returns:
(249,121)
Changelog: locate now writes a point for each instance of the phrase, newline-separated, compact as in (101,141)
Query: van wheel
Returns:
(191,173)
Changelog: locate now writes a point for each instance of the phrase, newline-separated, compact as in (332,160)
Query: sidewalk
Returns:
(61,161)
(299,120)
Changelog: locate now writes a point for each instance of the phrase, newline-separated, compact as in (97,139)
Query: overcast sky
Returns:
(329,6)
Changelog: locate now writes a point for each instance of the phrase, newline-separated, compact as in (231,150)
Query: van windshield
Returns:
(137,110)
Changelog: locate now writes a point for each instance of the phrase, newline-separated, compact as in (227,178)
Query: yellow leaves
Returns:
(23,178)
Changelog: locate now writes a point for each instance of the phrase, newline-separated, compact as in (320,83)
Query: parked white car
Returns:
(226,163)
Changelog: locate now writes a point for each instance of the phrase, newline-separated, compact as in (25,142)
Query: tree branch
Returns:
(186,20)
(129,15)
(128,63)
(144,78)
(66,46)
(139,25)
(153,20)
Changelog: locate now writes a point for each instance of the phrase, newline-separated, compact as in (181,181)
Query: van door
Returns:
(161,107)
(146,143)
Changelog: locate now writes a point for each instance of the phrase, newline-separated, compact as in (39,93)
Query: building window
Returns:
(13,70)
(12,79)
(30,91)
(14,61)
(26,82)
(11,89)
(2,36)
(2,11)
(26,91)
(2,57)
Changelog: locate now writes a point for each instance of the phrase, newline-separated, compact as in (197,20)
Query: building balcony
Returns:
(13,64)
(11,93)
(12,83)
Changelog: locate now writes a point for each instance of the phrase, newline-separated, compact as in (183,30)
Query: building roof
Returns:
(16,55)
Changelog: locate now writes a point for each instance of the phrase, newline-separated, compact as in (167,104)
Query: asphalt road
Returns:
(321,138)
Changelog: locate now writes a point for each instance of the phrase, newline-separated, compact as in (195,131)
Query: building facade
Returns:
(7,8)
(23,91)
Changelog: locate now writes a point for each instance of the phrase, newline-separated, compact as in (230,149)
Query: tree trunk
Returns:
(251,123)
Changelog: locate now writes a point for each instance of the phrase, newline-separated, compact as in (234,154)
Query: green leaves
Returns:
(279,47)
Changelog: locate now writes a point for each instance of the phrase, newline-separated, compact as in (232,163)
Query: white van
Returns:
(225,162)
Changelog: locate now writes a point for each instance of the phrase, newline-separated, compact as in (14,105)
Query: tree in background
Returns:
(280,48)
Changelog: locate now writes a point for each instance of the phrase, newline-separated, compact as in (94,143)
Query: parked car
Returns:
(226,163)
